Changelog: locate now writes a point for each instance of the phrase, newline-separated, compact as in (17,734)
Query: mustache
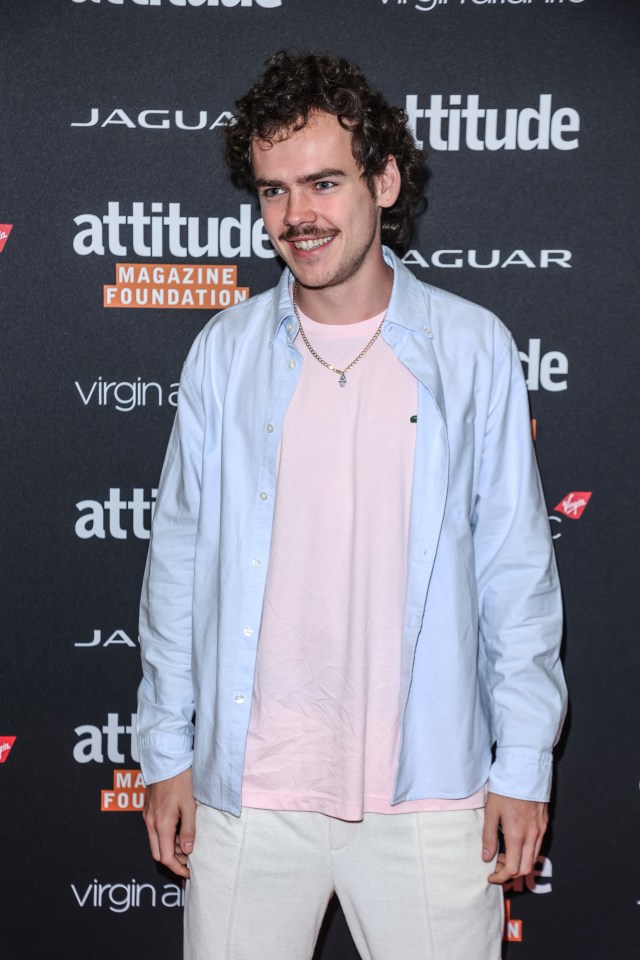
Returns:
(310,233)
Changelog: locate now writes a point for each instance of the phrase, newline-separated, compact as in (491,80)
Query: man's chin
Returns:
(314,283)
(307,276)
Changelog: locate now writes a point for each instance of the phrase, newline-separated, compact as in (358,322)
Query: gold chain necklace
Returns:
(342,380)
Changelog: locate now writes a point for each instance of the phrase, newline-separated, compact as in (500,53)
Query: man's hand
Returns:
(170,818)
(523,824)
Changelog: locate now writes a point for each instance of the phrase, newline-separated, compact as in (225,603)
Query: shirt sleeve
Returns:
(165,697)
(518,591)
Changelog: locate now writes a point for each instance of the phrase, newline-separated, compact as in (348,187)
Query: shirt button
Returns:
(264,496)
(239,698)
(426,329)
(256,562)
(289,327)
(292,364)
(270,428)
(248,631)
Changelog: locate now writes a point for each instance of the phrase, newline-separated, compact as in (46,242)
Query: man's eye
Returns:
(270,192)
(325,184)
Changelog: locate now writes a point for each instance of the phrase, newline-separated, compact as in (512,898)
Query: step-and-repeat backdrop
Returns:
(120,235)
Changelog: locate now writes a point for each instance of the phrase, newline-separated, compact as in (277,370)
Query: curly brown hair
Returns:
(294,86)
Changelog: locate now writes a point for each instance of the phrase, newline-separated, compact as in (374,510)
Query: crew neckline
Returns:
(341,331)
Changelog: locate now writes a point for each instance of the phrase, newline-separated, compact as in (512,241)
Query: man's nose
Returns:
(299,209)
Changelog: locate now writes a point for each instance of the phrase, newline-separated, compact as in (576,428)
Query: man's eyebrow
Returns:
(327,174)
(268,183)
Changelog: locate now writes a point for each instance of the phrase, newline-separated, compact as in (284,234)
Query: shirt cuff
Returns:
(521,773)
(164,755)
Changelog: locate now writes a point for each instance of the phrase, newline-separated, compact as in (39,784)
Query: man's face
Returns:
(318,211)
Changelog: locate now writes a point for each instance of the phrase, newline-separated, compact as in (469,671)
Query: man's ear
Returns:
(388,183)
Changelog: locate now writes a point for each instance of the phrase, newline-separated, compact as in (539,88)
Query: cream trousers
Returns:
(412,886)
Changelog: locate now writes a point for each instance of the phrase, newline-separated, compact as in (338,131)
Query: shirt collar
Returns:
(408,306)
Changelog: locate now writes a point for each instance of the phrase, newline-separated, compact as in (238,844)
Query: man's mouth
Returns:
(311,244)
(308,241)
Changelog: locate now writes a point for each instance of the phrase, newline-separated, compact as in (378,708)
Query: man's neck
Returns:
(354,300)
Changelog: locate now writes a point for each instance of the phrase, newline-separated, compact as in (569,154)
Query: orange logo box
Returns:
(128,793)
(163,286)
(512,928)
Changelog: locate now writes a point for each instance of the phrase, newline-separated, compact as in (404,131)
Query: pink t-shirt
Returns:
(325,716)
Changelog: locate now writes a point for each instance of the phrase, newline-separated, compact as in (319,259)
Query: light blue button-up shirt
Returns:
(480,655)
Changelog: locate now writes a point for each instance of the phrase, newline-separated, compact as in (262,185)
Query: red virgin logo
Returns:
(574,504)
(5,230)
(5,747)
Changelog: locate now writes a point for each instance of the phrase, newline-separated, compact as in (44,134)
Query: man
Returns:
(350,581)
